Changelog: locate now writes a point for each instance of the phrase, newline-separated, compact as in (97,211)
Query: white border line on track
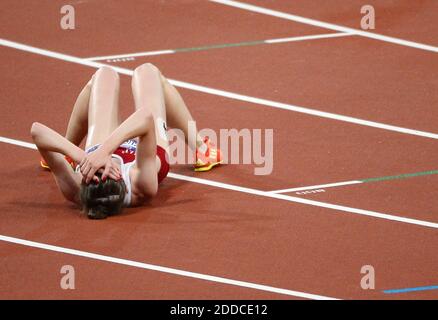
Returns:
(269,41)
(268,194)
(312,37)
(131,55)
(326,25)
(307,201)
(321,186)
(167,270)
(19,143)
(222,93)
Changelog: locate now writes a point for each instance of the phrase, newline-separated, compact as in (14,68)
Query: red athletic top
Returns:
(128,155)
(127,152)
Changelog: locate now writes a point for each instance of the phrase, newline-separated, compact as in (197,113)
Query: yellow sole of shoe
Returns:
(207,168)
(44,166)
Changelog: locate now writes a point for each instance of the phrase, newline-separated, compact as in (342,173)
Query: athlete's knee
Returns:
(107,72)
(147,68)
(35,129)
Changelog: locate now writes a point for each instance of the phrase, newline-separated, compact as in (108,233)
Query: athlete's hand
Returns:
(93,162)
(111,170)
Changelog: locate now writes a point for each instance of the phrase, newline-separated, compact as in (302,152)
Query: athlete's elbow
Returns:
(145,114)
(147,119)
(150,192)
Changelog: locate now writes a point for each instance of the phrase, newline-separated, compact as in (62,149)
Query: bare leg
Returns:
(178,115)
(78,124)
(103,110)
(148,93)
(175,110)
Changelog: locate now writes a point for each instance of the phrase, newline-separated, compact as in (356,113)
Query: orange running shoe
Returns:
(211,158)
(45,166)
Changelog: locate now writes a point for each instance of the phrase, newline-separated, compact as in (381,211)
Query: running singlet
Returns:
(127,150)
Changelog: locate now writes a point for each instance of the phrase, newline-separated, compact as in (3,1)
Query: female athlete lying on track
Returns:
(123,163)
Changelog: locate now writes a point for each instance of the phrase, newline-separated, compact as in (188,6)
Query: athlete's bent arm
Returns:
(52,147)
(145,178)
(139,124)
(50,140)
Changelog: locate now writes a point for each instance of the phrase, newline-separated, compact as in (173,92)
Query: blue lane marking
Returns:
(411,289)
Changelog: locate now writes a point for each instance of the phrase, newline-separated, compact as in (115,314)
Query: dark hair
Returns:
(102,199)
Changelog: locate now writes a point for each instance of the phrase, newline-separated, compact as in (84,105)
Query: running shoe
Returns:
(211,158)
(45,166)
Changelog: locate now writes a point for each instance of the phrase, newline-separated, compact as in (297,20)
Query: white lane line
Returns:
(18,143)
(306,201)
(286,197)
(131,55)
(111,58)
(226,94)
(304,110)
(326,25)
(168,270)
(61,56)
(313,37)
(321,186)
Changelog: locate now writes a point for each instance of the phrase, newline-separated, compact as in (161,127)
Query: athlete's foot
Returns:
(212,157)
(45,166)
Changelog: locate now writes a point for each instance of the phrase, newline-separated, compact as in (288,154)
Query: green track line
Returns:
(401,176)
(219,46)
